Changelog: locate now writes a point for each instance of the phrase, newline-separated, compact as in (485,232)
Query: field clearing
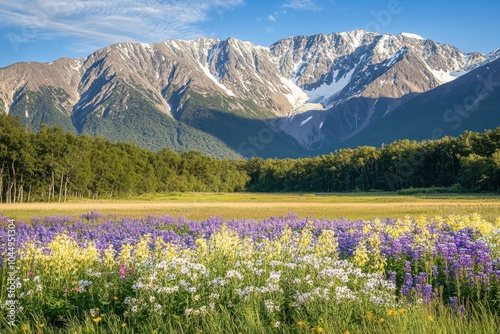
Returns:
(200,206)
(100,274)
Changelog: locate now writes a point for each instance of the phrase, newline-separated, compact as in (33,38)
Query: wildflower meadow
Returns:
(102,274)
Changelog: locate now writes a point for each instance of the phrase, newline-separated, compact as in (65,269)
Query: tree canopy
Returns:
(52,165)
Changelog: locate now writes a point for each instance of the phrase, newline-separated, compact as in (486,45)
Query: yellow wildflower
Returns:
(327,244)
(392,312)
(125,255)
(360,255)
(109,257)
(141,251)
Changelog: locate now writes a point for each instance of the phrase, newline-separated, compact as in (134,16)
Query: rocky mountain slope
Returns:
(300,96)
(469,103)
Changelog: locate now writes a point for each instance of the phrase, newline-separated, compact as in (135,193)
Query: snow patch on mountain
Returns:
(148,47)
(306,120)
(326,91)
(409,35)
(383,44)
(6,106)
(445,77)
(492,56)
(79,63)
(214,79)
(396,57)
(123,49)
(355,37)
(296,97)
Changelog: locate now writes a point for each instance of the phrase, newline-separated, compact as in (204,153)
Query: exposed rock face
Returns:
(317,89)
(360,77)
(323,65)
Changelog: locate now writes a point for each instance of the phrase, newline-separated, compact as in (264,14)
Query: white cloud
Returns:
(271,18)
(310,5)
(108,21)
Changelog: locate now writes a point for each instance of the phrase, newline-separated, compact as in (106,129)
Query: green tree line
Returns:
(470,162)
(52,165)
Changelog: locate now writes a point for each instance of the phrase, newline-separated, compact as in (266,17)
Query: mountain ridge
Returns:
(153,94)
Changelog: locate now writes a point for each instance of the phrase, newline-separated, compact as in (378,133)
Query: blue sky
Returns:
(45,30)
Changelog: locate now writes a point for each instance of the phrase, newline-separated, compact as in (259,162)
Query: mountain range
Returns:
(302,96)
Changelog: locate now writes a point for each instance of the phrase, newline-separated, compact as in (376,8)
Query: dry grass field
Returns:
(200,206)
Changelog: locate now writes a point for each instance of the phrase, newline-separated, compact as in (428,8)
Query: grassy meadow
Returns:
(252,263)
(200,206)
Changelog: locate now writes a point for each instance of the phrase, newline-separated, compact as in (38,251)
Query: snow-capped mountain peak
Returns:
(299,82)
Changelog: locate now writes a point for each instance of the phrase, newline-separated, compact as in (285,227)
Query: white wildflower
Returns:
(214,296)
(235,274)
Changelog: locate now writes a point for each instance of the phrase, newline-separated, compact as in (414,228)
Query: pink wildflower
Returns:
(123,271)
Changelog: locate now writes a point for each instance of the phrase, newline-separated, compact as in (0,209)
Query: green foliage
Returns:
(456,188)
(127,117)
(467,163)
(52,165)
(43,107)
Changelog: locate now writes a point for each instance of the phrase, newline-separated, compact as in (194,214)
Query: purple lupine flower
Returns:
(427,294)
(457,254)
(407,267)
(435,272)
(407,285)
(392,276)
(422,278)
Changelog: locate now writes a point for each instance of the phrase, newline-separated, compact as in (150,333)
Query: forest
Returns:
(52,165)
